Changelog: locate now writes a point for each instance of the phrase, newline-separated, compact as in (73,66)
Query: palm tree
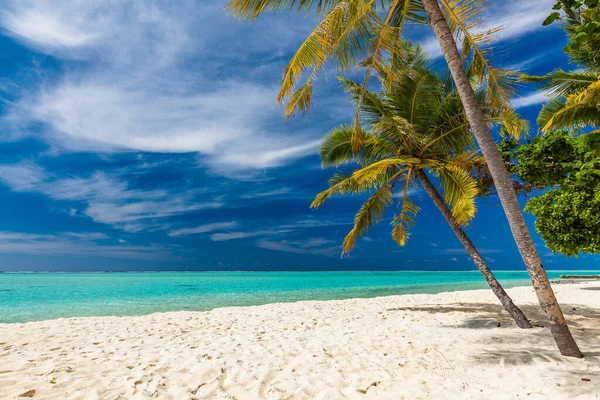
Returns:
(362,32)
(548,302)
(574,99)
(417,125)
(574,96)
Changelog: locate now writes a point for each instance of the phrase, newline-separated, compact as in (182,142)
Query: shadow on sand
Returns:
(584,323)
(524,347)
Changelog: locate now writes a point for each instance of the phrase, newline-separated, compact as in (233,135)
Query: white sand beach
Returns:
(445,346)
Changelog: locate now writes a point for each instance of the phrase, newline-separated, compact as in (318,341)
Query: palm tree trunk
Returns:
(513,310)
(560,331)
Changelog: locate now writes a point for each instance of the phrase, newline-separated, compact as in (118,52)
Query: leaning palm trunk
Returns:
(560,331)
(513,310)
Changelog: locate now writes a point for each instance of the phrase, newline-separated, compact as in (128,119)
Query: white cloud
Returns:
(108,199)
(48,28)
(515,17)
(529,100)
(278,230)
(69,243)
(151,80)
(520,17)
(257,158)
(316,246)
(92,116)
(203,228)
(413,190)
(269,193)
(22,177)
(318,222)
(88,235)
(431,46)
(221,237)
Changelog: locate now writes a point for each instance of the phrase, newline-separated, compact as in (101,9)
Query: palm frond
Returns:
(549,109)
(580,109)
(369,213)
(560,83)
(373,172)
(466,160)
(336,148)
(386,40)
(372,107)
(463,17)
(405,220)
(300,100)
(513,125)
(343,184)
(343,32)
(460,190)
(250,9)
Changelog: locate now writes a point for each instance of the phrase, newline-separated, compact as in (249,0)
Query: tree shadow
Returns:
(519,347)
(487,315)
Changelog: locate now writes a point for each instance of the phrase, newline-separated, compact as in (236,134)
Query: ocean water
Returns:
(38,296)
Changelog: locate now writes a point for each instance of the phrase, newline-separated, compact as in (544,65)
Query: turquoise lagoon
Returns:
(38,296)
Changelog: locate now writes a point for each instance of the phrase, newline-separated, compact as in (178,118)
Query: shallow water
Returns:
(38,296)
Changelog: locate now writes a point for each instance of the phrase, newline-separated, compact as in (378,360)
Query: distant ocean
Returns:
(38,296)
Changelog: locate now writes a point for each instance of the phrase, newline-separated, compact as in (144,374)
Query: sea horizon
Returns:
(34,296)
(285,270)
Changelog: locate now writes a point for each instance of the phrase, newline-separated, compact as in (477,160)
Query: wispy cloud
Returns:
(278,229)
(530,100)
(106,199)
(203,228)
(309,223)
(269,193)
(145,86)
(413,190)
(222,237)
(315,246)
(515,17)
(75,244)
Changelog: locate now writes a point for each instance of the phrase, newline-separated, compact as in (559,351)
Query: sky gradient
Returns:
(145,136)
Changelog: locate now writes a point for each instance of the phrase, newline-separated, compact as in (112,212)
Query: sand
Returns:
(444,346)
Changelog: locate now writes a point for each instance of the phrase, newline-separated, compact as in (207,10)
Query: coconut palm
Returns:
(363,32)
(417,124)
(574,99)
(574,96)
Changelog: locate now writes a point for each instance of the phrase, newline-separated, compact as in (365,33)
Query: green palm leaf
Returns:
(405,220)
(560,83)
(460,190)
(369,213)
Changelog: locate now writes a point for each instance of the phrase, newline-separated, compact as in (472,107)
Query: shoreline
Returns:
(38,297)
(283,303)
(525,284)
(283,271)
(444,345)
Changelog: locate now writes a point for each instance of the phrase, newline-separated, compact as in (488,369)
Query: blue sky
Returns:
(144,135)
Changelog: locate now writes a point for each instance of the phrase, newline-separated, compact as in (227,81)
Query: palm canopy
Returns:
(574,99)
(417,122)
(574,96)
(365,33)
